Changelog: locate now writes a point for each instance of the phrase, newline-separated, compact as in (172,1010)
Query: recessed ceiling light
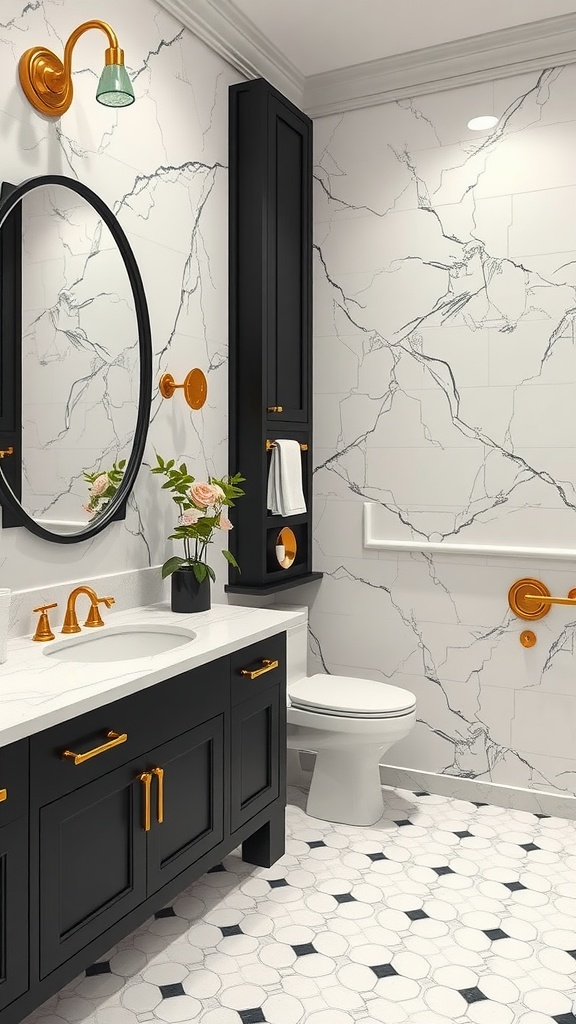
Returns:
(480,124)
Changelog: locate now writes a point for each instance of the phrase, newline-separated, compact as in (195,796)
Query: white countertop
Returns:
(37,692)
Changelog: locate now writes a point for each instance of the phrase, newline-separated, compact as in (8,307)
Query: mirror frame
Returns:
(10,345)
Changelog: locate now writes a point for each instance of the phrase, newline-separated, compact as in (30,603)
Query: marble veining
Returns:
(445,382)
(161,166)
(37,692)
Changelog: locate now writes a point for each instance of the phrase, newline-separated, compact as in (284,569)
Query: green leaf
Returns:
(230,558)
(122,463)
(183,468)
(170,464)
(200,571)
(171,565)
(211,573)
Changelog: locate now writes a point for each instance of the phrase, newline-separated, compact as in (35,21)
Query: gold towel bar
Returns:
(272,444)
(531,599)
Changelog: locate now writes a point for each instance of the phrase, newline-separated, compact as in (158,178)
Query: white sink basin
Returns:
(121,643)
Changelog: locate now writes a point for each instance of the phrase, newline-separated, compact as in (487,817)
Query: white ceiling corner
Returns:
(221,25)
(497,54)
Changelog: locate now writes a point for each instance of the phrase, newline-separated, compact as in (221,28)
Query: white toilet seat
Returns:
(347,697)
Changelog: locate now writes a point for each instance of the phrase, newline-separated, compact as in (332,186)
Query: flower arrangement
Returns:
(201,505)
(103,487)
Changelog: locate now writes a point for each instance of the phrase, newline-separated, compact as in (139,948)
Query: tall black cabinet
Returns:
(270,327)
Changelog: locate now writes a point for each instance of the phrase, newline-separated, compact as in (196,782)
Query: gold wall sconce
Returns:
(195,387)
(530,599)
(47,81)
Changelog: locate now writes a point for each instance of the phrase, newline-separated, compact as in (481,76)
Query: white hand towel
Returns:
(285,496)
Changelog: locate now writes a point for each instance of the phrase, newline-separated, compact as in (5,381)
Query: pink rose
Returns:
(100,484)
(203,494)
(225,523)
(190,518)
(219,492)
(89,510)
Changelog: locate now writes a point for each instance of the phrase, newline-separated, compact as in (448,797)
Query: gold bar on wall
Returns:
(272,444)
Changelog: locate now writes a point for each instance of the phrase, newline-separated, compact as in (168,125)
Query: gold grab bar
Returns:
(115,739)
(146,780)
(531,599)
(267,666)
(159,773)
(272,444)
(3,795)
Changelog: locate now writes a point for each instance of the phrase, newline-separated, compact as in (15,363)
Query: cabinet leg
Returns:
(267,845)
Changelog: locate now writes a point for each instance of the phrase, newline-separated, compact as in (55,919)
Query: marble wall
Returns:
(161,165)
(445,388)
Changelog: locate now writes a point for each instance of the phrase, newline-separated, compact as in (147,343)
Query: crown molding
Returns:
(224,28)
(512,51)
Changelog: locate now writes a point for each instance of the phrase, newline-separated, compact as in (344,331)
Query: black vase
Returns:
(188,595)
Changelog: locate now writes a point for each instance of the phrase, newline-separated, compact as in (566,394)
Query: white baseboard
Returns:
(477,790)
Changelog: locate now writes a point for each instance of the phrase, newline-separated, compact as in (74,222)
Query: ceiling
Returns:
(321,35)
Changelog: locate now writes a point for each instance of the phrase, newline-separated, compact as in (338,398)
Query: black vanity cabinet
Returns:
(258,741)
(128,804)
(13,910)
(92,863)
(270,331)
(13,871)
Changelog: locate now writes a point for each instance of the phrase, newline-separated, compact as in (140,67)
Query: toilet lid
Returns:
(347,695)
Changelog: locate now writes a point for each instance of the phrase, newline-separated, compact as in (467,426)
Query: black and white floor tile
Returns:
(444,911)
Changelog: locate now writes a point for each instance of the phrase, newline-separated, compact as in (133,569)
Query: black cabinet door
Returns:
(289,263)
(92,862)
(13,911)
(188,794)
(256,755)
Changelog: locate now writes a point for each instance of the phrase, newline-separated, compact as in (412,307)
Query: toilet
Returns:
(349,723)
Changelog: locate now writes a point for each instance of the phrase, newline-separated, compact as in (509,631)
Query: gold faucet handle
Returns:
(94,617)
(43,631)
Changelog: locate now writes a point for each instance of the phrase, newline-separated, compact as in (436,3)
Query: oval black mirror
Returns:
(76,361)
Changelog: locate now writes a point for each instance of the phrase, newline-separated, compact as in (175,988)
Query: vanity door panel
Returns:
(92,862)
(188,795)
(13,911)
(256,755)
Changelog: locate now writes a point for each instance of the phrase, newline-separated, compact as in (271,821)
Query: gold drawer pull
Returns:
(159,773)
(3,795)
(146,780)
(115,739)
(267,666)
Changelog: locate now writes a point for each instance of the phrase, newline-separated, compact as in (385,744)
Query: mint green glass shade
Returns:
(115,88)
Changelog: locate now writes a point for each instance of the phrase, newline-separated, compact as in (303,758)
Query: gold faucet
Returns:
(94,617)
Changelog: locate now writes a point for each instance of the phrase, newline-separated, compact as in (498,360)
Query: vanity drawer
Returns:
(147,718)
(253,660)
(13,781)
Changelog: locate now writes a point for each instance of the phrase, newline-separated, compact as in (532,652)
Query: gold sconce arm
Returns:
(47,80)
(531,599)
(195,387)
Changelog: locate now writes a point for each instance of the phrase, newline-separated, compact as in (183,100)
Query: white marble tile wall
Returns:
(161,165)
(445,387)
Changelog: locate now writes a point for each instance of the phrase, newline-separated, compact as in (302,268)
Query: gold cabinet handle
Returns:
(159,773)
(267,666)
(114,740)
(3,795)
(146,779)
